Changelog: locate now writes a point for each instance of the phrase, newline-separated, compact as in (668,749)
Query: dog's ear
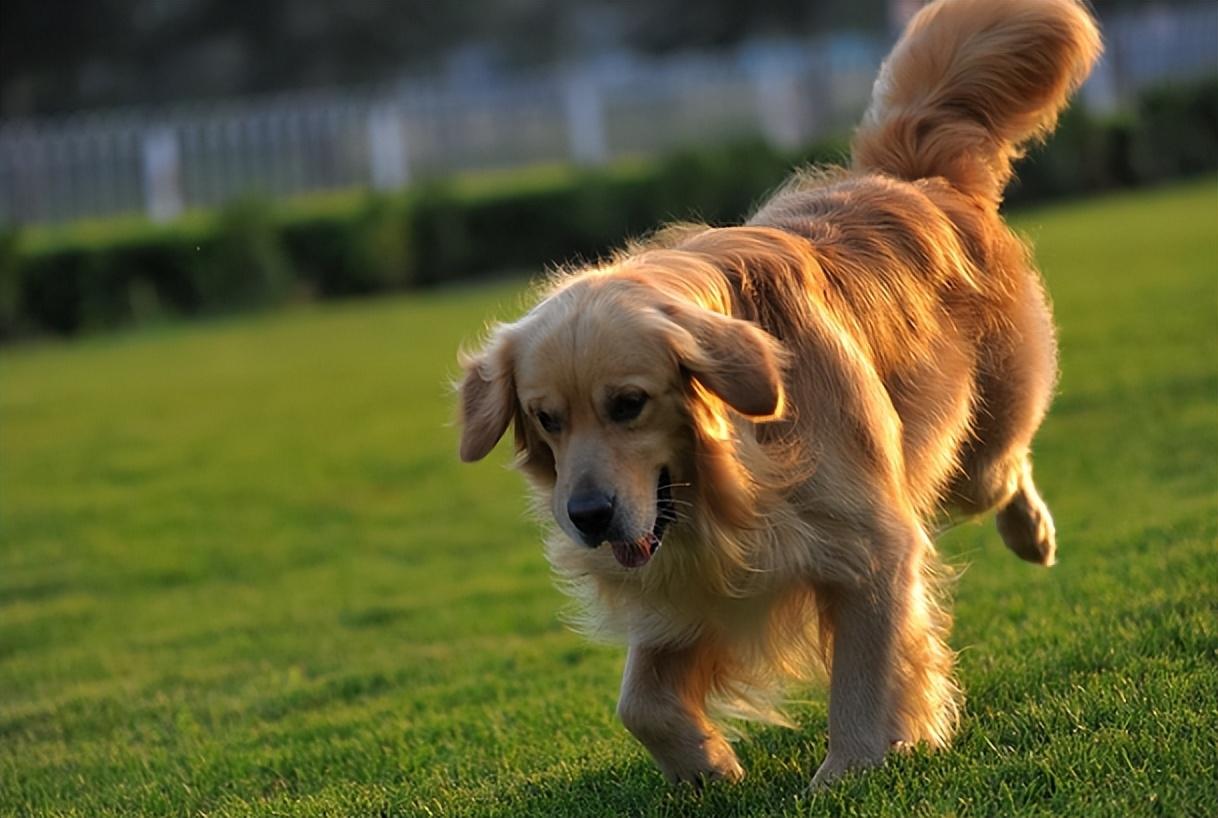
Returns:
(735,360)
(487,400)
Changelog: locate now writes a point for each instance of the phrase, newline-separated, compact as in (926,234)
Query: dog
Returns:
(747,436)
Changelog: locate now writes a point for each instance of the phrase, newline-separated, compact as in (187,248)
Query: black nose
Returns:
(591,512)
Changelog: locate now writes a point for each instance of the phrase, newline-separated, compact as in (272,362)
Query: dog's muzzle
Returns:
(638,552)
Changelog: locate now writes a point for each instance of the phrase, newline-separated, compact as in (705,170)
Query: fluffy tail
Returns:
(969,83)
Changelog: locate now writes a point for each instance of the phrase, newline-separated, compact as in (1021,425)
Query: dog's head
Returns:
(621,395)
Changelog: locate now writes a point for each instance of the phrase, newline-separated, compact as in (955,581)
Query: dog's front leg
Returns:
(663,703)
(864,621)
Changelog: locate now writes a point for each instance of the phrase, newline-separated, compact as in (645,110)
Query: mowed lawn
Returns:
(242,572)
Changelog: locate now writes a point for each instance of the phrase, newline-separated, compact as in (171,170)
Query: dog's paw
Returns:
(836,765)
(1027,528)
(713,760)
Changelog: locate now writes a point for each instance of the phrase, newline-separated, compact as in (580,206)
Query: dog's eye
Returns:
(627,406)
(548,422)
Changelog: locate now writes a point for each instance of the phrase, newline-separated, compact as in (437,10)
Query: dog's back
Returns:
(916,260)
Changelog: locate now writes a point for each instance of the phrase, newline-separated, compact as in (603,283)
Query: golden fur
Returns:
(867,358)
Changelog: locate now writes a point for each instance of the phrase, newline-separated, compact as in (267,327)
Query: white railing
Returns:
(161,162)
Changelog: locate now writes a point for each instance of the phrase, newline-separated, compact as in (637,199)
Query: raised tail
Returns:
(969,83)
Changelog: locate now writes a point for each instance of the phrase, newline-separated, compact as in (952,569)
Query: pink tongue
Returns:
(634,554)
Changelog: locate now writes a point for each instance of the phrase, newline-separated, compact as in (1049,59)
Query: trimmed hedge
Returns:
(251,254)
(1171,133)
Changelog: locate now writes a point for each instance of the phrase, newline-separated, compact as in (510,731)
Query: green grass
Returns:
(241,572)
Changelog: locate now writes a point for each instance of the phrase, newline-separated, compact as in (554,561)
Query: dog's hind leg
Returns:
(1025,523)
(663,703)
(1023,518)
(1015,385)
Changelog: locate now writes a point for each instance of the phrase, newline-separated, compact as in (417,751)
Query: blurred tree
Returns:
(45,44)
(287,43)
(58,55)
(64,55)
(663,25)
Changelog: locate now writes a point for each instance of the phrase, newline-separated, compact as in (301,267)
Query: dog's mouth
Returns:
(638,552)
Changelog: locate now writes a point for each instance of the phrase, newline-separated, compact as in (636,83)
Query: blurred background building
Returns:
(160,106)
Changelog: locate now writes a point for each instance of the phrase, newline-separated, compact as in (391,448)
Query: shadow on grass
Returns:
(779,765)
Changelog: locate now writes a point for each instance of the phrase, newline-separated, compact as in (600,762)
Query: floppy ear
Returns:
(736,360)
(487,398)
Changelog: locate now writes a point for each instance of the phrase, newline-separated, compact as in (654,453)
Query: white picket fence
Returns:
(161,162)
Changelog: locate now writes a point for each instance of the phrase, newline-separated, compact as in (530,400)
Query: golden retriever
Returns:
(791,407)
